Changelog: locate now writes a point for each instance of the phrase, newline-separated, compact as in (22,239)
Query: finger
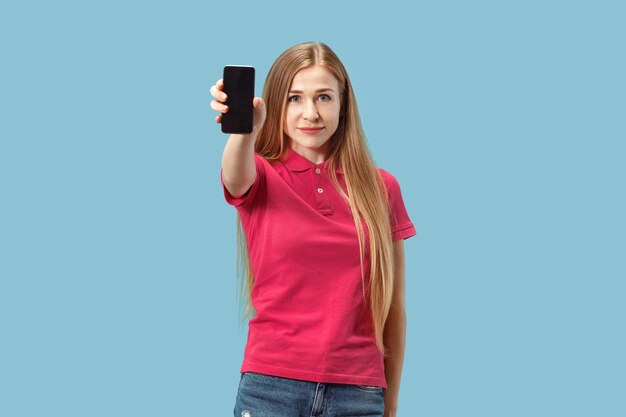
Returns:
(218,119)
(218,94)
(214,91)
(219,88)
(219,107)
(258,103)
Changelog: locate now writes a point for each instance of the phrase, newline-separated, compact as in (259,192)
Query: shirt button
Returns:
(320,190)
(317,170)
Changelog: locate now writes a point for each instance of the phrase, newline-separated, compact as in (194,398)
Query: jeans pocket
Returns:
(369,388)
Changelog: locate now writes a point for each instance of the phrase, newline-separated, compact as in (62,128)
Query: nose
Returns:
(310,111)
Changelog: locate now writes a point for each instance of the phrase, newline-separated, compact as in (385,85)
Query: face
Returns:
(312,112)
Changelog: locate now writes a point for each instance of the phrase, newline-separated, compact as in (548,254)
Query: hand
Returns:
(391,404)
(220,98)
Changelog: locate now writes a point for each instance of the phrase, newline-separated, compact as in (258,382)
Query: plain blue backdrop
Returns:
(503,121)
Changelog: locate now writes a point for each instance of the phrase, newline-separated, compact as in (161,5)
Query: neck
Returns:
(312,155)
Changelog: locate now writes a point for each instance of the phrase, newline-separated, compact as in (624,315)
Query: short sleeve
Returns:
(401,225)
(260,164)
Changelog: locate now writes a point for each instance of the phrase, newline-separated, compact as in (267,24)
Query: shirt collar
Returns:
(296,162)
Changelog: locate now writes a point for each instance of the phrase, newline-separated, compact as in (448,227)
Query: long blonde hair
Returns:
(348,149)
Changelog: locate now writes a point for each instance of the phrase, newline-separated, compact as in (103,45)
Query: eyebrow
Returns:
(321,90)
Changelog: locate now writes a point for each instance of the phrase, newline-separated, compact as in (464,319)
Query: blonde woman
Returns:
(323,249)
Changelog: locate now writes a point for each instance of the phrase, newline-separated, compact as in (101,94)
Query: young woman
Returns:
(324,230)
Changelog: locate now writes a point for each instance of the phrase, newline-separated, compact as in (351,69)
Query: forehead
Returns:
(314,78)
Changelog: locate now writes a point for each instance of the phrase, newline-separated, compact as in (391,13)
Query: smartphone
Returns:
(239,89)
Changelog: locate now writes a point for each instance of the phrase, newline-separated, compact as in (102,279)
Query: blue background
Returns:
(503,121)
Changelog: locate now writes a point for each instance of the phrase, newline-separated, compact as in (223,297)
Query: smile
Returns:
(310,130)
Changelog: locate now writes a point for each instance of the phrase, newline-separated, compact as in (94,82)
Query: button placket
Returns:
(321,199)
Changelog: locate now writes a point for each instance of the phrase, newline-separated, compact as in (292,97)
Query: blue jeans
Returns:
(262,395)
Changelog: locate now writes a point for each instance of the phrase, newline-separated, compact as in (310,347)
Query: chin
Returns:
(312,142)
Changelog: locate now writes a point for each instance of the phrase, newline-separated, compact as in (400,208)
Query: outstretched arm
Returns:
(238,169)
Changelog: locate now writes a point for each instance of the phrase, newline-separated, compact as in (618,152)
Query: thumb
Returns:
(258,103)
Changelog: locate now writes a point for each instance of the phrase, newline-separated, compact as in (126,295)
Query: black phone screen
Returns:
(239,89)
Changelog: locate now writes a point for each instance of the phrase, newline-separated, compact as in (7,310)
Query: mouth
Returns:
(310,130)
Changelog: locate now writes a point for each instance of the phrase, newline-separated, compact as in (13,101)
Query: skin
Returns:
(313,102)
(238,170)
(320,109)
(394,335)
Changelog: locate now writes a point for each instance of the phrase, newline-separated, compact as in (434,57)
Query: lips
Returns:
(310,130)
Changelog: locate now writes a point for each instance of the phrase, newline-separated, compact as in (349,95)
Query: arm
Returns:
(395,334)
(238,168)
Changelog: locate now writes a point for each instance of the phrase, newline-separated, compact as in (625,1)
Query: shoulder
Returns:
(262,164)
(402,227)
(391,183)
(270,163)
(260,160)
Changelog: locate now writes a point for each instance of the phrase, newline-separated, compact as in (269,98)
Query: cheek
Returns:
(286,120)
(332,113)
(289,116)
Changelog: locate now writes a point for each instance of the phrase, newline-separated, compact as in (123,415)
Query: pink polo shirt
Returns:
(312,320)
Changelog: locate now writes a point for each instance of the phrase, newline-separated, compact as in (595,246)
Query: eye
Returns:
(324,97)
(294,99)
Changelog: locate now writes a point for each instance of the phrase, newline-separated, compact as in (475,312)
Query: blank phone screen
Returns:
(239,89)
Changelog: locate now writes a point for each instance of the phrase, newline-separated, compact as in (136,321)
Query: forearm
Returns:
(395,341)
(238,169)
